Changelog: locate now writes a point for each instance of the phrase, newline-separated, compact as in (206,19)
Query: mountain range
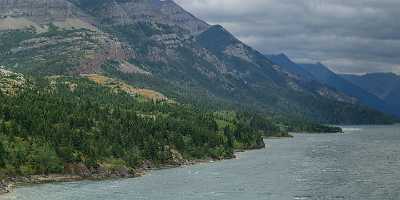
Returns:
(386,86)
(375,90)
(157,45)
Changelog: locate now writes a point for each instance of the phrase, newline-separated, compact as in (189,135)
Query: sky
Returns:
(350,36)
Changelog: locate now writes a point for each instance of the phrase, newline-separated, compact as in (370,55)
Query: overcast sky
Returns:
(351,36)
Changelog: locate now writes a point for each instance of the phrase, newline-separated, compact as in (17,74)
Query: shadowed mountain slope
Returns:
(386,86)
(326,76)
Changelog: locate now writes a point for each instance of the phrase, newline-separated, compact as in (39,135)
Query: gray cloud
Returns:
(356,36)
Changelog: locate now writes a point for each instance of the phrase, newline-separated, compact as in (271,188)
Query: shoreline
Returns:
(8,185)
(80,172)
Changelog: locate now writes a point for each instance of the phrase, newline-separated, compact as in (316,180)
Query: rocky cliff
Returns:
(152,11)
(17,14)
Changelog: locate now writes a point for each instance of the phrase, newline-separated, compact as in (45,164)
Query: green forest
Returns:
(51,122)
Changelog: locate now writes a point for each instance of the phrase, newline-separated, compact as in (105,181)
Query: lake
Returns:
(361,164)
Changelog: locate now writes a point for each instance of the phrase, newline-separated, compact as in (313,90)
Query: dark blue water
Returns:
(362,164)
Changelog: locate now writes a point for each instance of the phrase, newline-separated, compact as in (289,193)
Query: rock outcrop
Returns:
(6,187)
(17,14)
(152,11)
(101,171)
(10,82)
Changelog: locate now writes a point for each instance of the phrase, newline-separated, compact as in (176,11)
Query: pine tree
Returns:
(3,155)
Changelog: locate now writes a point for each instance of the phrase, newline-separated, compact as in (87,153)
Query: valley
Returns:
(99,89)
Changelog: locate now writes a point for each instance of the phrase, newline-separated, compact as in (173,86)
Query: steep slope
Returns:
(384,85)
(266,80)
(293,68)
(393,99)
(326,76)
(380,84)
(17,14)
(296,71)
(127,12)
(157,45)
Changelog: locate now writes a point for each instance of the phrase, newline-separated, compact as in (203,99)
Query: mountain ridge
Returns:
(292,67)
(158,45)
(386,86)
(326,76)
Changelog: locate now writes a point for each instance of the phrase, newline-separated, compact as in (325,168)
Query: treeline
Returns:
(309,127)
(306,126)
(54,122)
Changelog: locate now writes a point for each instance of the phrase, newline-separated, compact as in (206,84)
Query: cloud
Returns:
(356,36)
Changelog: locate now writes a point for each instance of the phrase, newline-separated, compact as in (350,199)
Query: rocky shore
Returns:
(78,172)
(6,187)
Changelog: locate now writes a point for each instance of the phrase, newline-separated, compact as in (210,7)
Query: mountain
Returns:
(324,75)
(157,45)
(386,86)
(296,71)
(288,65)
(321,74)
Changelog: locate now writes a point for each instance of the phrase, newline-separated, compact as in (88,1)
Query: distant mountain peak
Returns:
(217,38)
(288,65)
(282,55)
(384,85)
(343,83)
(220,29)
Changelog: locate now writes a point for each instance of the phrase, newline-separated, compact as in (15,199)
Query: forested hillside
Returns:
(48,123)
